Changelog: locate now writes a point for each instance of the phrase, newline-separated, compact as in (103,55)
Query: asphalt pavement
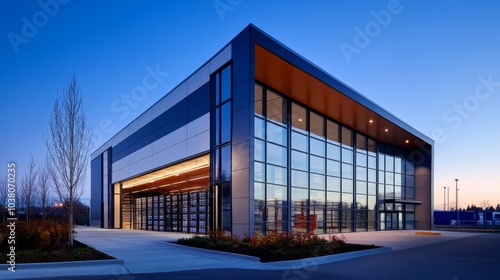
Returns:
(150,255)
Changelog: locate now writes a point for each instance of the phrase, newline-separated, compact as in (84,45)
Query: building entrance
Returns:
(182,212)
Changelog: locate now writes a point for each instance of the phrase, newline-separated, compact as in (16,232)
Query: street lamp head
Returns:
(456,180)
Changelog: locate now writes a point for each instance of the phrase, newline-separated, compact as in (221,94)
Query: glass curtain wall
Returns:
(312,174)
(221,152)
(396,183)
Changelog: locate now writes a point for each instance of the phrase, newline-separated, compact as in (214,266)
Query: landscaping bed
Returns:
(44,241)
(275,247)
(79,252)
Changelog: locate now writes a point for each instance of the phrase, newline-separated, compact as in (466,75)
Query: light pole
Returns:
(448,199)
(444,199)
(456,204)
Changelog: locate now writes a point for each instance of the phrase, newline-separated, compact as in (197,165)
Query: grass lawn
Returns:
(275,247)
(79,252)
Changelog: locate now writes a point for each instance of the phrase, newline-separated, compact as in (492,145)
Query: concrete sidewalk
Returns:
(149,252)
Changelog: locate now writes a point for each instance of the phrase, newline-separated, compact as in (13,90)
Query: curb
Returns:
(65,264)
(427,233)
(327,259)
(215,252)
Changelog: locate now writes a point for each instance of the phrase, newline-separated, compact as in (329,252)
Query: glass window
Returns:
(347,200)
(259,192)
(361,187)
(410,181)
(361,173)
(317,181)
(372,175)
(217,88)
(381,162)
(226,163)
(372,202)
(300,179)
(317,197)
(259,151)
(226,122)
(317,147)
(276,154)
(361,159)
(216,164)
(259,174)
(332,132)
(372,162)
(276,107)
(410,193)
(398,165)
(389,163)
(381,177)
(333,168)
(333,199)
(410,168)
(410,207)
(347,156)
(347,171)
(346,137)
(259,109)
(317,164)
(389,178)
(333,152)
(300,160)
(276,133)
(260,127)
(276,175)
(389,191)
(398,179)
(347,186)
(316,125)
(399,191)
(300,141)
(361,201)
(381,190)
(217,126)
(333,183)
(299,117)
(276,195)
(372,147)
(361,144)
(299,197)
(372,188)
(226,84)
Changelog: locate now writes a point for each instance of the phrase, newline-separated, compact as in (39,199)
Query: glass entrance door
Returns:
(391,220)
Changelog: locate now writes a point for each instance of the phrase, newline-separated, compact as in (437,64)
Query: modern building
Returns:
(259,140)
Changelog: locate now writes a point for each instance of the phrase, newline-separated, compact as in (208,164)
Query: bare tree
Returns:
(485,204)
(28,187)
(44,190)
(68,143)
(3,197)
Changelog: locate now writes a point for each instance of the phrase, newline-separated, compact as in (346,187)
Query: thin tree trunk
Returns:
(71,224)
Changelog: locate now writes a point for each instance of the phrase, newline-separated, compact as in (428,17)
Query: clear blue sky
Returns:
(421,60)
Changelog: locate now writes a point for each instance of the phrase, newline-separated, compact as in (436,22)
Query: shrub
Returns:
(274,246)
(43,235)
